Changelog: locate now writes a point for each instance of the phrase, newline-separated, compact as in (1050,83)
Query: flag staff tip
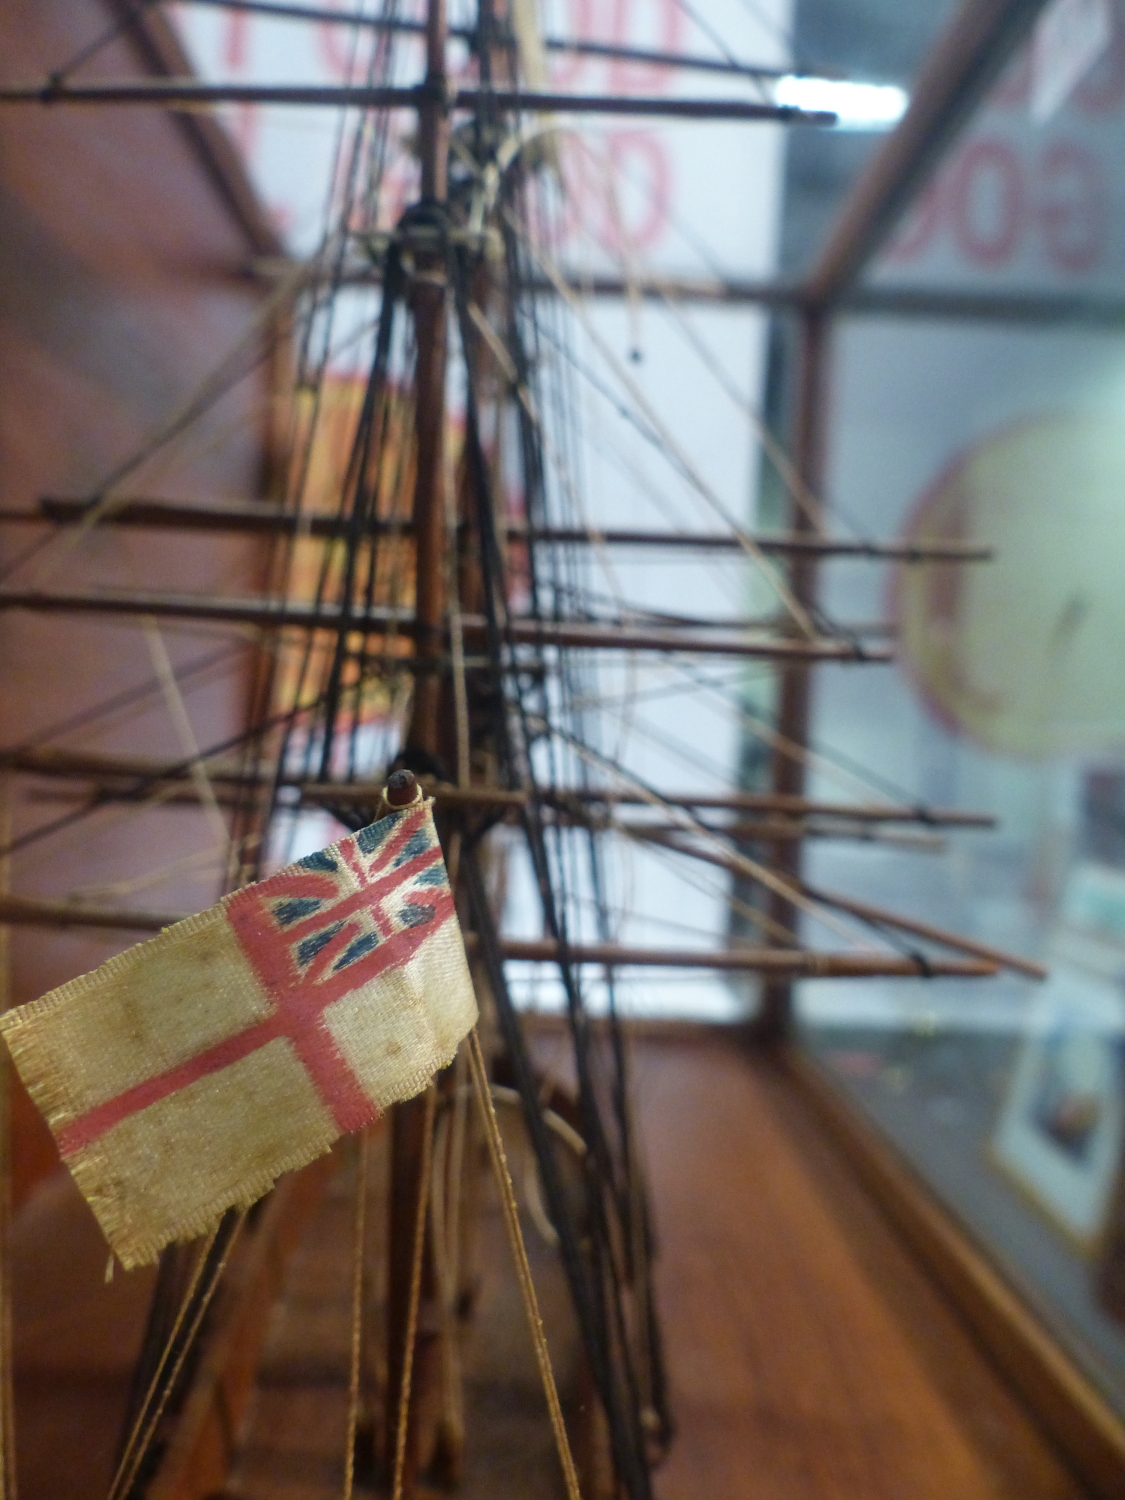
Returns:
(401,789)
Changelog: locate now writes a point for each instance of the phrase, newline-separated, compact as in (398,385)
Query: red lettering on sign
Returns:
(639,176)
(339,45)
(244,118)
(642,78)
(566,67)
(656,25)
(987,202)
(1072,210)
(993,203)
(618,190)
(236,41)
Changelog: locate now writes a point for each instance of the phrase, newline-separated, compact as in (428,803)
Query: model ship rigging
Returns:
(411,587)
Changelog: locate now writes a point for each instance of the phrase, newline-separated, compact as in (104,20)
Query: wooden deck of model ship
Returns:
(811,1357)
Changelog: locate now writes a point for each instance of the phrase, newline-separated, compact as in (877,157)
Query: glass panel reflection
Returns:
(1005,429)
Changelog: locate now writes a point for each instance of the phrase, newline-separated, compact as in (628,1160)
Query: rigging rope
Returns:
(359,1251)
(519,1255)
(676,453)
(420,1216)
(205,1279)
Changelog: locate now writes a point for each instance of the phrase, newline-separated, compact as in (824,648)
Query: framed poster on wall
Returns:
(1059,1132)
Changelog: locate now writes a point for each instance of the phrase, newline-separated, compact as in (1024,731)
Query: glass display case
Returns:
(975,392)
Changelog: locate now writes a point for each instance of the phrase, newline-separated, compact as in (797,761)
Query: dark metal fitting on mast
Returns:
(422,238)
(437,90)
(402,789)
(428,219)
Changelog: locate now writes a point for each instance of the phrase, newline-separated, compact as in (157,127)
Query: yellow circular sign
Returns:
(1025,654)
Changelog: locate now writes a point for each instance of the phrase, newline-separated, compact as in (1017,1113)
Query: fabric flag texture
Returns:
(183,1076)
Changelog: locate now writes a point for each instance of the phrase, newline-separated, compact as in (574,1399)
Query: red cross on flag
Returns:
(183,1076)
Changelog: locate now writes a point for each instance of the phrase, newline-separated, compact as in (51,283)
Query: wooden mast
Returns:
(411,1121)
(427,301)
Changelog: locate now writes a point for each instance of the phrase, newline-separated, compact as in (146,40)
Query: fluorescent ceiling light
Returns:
(858,106)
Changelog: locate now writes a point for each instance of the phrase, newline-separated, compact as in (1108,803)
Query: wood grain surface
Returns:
(810,1357)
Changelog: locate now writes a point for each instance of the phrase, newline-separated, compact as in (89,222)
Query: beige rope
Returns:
(415,1294)
(572,490)
(358,1256)
(785,596)
(452,1415)
(142,1414)
(457,1151)
(110,816)
(800,493)
(200,399)
(523,1269)
(149,1416)
(456,626)
(737,863)
(185,733)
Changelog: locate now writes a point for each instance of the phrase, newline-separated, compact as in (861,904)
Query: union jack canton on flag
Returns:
(185,1075)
